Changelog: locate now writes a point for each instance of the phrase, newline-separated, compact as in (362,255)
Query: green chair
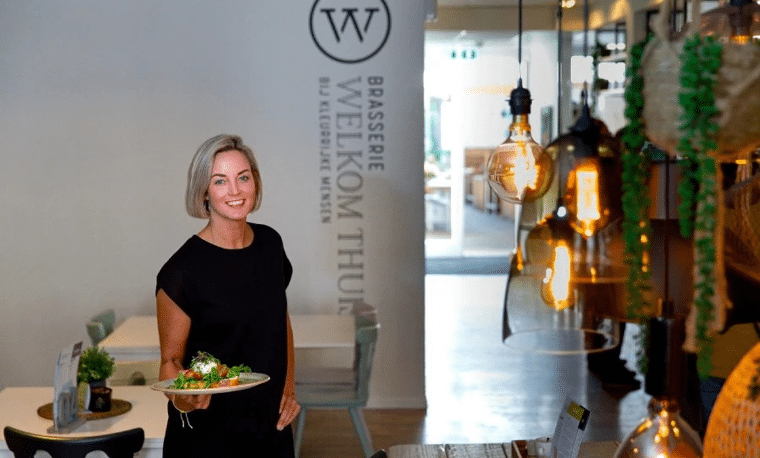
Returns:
(340,394)
(100,326)
(359,308)
(364,314)
(123,444)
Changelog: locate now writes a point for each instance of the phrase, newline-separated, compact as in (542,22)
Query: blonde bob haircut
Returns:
(199,173)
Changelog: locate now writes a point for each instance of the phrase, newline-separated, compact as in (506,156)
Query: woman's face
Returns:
(231,192)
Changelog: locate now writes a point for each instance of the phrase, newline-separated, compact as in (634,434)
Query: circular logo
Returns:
(350,31)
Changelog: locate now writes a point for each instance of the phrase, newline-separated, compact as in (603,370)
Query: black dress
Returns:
(236,301)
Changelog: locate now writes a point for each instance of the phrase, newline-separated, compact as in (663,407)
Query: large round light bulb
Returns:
(519,170)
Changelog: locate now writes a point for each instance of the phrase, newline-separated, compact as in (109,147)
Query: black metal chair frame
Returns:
(123,444)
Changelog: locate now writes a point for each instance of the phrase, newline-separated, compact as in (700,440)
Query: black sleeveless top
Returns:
(236,302)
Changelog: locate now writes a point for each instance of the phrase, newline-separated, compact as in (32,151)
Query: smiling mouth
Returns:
(236,203)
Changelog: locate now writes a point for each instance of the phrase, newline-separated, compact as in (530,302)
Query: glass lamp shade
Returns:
(544,236)
(595,260)
(588,162)
(549,249)
(520,170)
(545,310)
(595,279)
(662,434)
(569,147)
(736,21)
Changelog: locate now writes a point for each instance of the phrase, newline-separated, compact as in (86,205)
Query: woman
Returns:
(223,292)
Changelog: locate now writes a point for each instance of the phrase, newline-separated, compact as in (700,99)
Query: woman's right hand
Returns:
(190,402)
(173,332)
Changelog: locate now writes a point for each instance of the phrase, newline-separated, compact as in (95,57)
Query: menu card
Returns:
(571,426)
(65,405)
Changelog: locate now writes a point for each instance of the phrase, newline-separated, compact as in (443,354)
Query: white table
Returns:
(136,339)
(18,408)
(495,450)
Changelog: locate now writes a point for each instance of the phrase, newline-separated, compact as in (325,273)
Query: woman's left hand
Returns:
(289,409)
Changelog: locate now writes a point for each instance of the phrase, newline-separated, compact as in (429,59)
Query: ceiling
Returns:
(490,3)
(470,37)
(477,22)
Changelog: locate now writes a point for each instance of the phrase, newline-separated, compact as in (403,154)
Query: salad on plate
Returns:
(206,372)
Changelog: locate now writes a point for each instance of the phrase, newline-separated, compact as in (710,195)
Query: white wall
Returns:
(103,103)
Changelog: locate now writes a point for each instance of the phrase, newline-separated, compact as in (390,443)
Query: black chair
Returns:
(123,444)
(380,454)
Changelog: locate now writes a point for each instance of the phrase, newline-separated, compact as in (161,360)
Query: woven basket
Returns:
(742,224)
(736,93)
(734,426)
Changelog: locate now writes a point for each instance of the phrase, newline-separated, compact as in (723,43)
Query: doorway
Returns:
(466,116)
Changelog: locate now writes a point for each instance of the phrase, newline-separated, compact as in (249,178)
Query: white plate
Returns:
(247,380)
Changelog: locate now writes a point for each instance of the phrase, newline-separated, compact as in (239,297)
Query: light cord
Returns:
(519,37)
(559,67)
(585,28)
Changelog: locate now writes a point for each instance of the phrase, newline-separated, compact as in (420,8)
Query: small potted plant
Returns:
(95,366)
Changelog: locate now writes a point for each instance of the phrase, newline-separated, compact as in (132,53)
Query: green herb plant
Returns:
(95,364)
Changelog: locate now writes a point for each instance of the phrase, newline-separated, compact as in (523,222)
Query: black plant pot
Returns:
(100,397)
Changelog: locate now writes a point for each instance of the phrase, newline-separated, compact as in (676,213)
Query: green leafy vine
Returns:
(635,201)
(701,59)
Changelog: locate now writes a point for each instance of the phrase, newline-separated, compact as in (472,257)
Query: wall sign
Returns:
(350,31)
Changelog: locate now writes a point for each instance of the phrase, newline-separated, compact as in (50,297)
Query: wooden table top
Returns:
(496,450)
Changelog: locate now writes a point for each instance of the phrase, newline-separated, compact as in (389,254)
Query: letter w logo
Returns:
(349,18)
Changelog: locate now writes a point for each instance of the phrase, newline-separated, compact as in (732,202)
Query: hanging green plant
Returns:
(698,212)
(635,202)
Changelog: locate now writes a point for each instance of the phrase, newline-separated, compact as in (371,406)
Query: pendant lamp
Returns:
(594,185)
(519,170)
(664,433)
(545,311)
